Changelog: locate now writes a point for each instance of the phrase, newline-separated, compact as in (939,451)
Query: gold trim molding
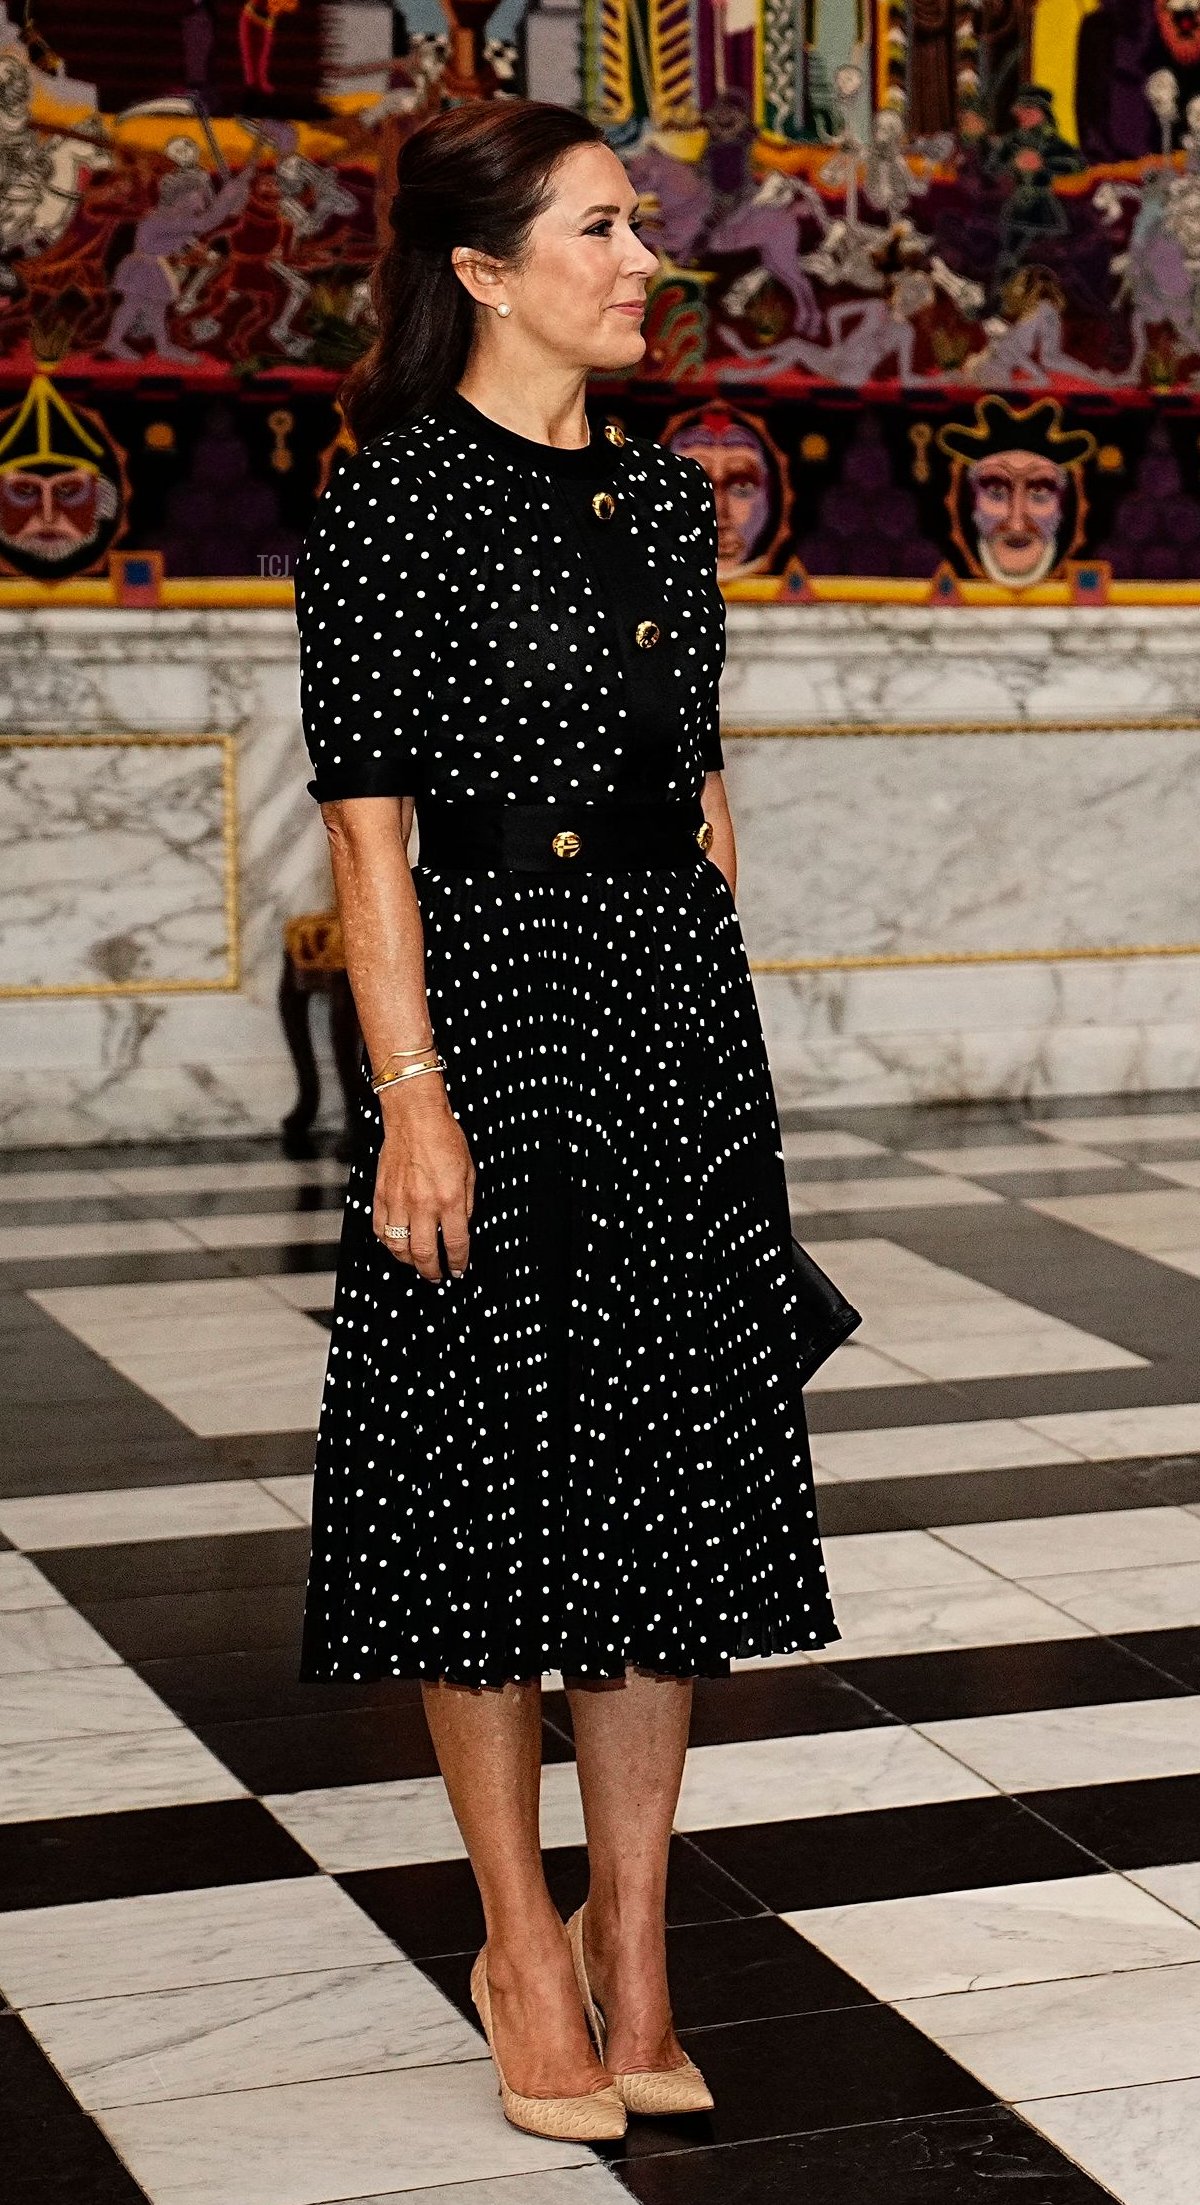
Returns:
(231,978)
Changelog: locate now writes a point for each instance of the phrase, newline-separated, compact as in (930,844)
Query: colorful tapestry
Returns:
(927,309)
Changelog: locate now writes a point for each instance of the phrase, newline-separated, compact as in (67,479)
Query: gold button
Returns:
(604,505)
(614,432)
(566,843)
(647,632)
(704,835)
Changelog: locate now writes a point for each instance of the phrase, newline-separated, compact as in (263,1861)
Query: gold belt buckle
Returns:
(704,835)
(566,843)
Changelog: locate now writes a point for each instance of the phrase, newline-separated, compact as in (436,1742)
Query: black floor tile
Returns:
(1146,1824)
(305,1752)
(71,1858)
(1004,1680)
(261,1683)
(968,1400)
(51,2151)
(235,1201)
(777,1703)
(232,1620)
(893,1853)
(249,1559)
(988,2157)
(797,2072)
(998,1496)
(1175,1652)
(753,1970)
(145,1267)
(433,1909)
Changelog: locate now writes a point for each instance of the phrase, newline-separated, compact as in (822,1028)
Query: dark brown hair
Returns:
(476,175)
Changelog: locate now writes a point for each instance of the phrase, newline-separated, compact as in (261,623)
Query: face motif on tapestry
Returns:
(746,474)
(1017,498)
(1017,510)
(62,490)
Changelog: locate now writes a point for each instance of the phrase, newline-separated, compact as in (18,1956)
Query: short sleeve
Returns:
(366,611)
(712,755)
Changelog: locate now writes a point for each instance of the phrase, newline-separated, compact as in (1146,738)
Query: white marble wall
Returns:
(913,889)
(150,1064)
(1017,801)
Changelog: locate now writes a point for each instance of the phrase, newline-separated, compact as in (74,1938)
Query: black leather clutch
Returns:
(825,1318)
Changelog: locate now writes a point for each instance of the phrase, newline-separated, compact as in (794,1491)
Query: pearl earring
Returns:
(503,308)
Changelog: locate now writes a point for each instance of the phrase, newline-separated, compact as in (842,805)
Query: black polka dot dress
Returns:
(590,1451)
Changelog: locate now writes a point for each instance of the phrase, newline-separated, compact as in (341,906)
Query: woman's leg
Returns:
(489,1749)
(630,1742)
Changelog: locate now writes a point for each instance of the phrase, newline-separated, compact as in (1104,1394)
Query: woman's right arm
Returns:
(425,1177)
(371,613)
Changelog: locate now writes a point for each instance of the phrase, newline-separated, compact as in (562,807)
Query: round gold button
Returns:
(704,835)
(647,633)
(614,432)
(566,843)
(604,505)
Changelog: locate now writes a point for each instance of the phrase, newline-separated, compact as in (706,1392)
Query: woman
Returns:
(561,1429)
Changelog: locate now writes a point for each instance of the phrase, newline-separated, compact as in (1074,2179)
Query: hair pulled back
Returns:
(478,175)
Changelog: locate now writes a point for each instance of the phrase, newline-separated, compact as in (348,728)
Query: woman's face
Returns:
(580,291)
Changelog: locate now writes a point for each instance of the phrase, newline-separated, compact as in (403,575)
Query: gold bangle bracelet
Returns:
(412,1072)
(420,1051)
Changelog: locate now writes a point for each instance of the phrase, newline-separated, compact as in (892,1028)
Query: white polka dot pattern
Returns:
(591,1449)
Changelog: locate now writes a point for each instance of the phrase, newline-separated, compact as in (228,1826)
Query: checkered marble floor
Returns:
(935,1891)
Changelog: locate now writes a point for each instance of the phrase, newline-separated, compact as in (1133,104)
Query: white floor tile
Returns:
(810,1196)
(398,1824)
(1111,1129)
(1143,2143)
(930,1450)
(55,1186)
(840,1772)
(303,2143)
(1011,1933)
(827,1145)
(1032,1547)
(991,1160)
(227,1178)
(929,1619)
(1088,2033)
(75,1703)
(50,1637)
(592,2185)
(853,1365)
(252,2034)
(1109,1435)
(276,1228)
(1046,1748)
(222,1355)
(1164,1225)
(898,1561)
(22,1585)
(935,1320)
(1157,1599)
(1177,1885)
(82,1776)
(305,1289)
(294,1492)
(170,1940)
(131,1236)
(197,1510)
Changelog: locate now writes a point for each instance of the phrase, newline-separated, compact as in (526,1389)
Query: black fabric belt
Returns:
(479,832)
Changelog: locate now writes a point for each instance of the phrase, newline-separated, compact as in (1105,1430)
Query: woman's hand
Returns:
(425,1177)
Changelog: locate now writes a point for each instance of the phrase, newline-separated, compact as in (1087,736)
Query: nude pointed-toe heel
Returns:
(590,2119)
(651,2090)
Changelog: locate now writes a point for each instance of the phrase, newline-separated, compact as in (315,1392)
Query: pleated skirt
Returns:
(590,1451)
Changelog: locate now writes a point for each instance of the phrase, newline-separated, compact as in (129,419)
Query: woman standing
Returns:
(562,1428)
